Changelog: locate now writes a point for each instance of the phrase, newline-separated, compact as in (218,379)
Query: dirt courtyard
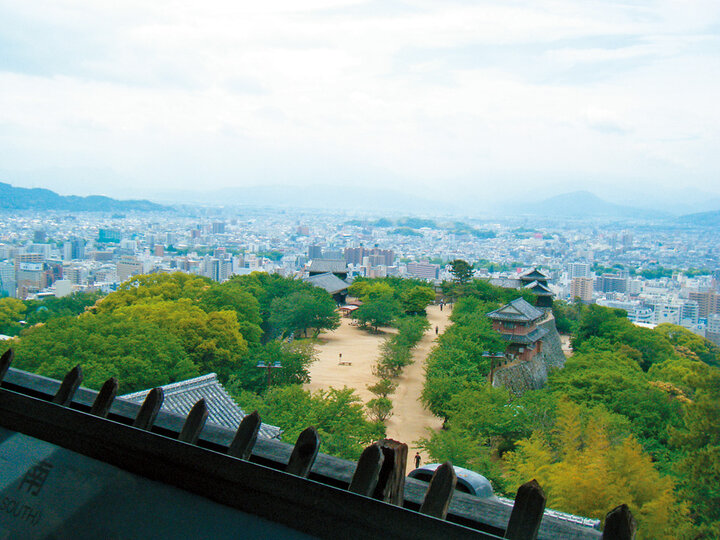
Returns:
(360,351)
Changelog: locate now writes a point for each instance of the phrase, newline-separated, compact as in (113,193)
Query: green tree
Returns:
(383,388)
(294,358)
(140,354)
(415,300)
(40,311)
(705,349)
(302,310)
(11,313)
(699,439)
(601,374)
(461,270)
(338,415)
(154,287)
(232,295)
(583,472)
(376,313)
(370,290)
(212,340)
(380,409)
(266,288)
(464,451)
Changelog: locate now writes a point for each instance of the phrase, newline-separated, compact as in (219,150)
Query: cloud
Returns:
(453,93)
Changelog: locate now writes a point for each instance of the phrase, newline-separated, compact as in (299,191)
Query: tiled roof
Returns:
(328,265)
(527,339)
(328,281)
(223,411)
(517,310)
(533,274)
(538,288)
(506,283)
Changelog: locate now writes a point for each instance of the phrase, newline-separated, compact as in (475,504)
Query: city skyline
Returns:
(495,101)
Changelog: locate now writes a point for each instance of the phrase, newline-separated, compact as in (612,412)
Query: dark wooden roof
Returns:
(328,281)
(527,339)
(519,310)
(538,288)
(533,274)
(320,266)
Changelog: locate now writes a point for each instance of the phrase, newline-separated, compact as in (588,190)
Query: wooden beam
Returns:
(366,474)
(440,493)
(391,481)
(69,386)
(527,512)
(150,408)
(620,524)
(194,423)
(5,361)
(245,436)
(106,396)
(304,454)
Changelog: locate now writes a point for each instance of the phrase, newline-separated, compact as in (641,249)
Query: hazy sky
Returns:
(500,97)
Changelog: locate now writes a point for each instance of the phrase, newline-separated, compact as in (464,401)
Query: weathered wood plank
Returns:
(620,524)
(367,471)
(149,410)
(440,493)
(304,454)
(194,423)
(527,512)
(69,386)
(245,436)
(106,396)
(391,481)
(5,361)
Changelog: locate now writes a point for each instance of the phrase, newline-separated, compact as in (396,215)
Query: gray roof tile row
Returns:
(223,411)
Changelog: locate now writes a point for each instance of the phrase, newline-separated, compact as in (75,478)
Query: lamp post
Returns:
(269,367)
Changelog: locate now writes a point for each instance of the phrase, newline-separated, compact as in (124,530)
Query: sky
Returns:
(491,99)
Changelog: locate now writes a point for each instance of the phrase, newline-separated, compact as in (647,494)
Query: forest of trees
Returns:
(161,328)
(633,417)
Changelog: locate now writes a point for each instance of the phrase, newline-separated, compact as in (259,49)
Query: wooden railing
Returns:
(371,505)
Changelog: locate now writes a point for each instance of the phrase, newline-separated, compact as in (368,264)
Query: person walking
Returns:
(417,459)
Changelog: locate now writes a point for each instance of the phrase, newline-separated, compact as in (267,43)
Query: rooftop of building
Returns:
(519,310)
(223,411)
(328,281)
(328,265)
(526,339)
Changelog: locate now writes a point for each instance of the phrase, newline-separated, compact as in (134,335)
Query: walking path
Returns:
(410,419)
(360,351)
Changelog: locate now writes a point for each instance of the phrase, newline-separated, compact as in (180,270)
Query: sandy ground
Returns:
(410,419)
(358,347)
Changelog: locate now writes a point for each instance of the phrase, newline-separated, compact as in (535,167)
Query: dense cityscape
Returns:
(657,272)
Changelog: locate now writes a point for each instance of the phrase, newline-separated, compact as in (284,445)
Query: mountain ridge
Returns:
(19,198)
(583,203)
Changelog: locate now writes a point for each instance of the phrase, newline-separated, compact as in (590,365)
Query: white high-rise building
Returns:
(579,270)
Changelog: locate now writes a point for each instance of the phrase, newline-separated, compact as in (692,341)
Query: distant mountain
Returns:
(584,204)
(708,219)
(15,198)
(309,196)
